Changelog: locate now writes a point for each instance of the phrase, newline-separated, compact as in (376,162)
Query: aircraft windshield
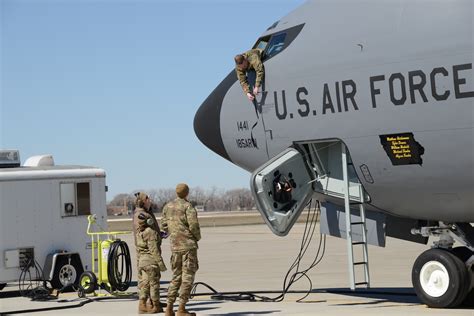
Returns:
(262,43)
(276,45)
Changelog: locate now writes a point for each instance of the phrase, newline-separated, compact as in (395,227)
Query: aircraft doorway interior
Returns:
(324,160)
(283,186)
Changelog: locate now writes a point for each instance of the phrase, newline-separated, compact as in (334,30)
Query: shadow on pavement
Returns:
(246,313)
(404,295)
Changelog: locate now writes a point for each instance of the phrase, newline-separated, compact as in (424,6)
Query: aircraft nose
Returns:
(207,123)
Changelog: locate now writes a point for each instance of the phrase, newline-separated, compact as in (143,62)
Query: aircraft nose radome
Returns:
(207,125)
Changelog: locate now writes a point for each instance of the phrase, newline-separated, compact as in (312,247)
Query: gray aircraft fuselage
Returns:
(360,71)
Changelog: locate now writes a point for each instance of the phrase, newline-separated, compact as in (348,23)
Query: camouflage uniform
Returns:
(149,215)
(150,262)
(180,221)
(137,229)
(253,57)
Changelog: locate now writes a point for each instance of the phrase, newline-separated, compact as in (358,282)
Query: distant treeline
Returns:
(203,199)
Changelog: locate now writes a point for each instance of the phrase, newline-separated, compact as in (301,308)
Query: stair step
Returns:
(361,283)
(359,263)
(358,243)
(357,223)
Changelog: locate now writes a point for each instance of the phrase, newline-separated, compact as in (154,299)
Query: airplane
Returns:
(367,106)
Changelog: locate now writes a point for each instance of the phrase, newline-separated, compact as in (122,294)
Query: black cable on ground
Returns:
(119,251)
(290,278)
(119,268)
(242,295)
(32,285)
(119,272)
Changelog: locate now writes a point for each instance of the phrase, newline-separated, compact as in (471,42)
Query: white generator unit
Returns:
(43,217)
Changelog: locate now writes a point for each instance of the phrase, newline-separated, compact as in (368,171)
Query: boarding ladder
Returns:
(348,202)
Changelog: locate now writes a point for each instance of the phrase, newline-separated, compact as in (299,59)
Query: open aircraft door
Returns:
(282,188)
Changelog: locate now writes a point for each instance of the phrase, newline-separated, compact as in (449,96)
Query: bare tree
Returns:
(229,199)
(213,199)
(162,196)
(121,203)
(245,199)
(118,200)
(197,196)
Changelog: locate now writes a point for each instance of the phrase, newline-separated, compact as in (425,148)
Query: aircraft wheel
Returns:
(440,278)
(87,282)
(464,254)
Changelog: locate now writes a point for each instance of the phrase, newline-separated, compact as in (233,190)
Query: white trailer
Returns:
(43,215)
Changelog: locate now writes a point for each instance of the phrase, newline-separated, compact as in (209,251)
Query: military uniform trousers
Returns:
(149,282)
(184,265)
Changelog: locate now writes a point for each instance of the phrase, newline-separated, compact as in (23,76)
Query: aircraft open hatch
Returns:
(283,186)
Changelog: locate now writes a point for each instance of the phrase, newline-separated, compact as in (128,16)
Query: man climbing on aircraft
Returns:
(249,60)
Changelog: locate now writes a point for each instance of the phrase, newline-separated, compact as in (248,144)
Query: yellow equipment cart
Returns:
(111,264)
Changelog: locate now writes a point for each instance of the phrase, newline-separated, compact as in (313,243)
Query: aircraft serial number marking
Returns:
(242,126)
(245,143)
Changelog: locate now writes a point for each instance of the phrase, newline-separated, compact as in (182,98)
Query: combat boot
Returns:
(156,308)
(142,308)
(169,310)
(183,312)
(162,305)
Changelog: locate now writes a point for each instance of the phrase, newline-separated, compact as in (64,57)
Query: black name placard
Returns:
(402,149)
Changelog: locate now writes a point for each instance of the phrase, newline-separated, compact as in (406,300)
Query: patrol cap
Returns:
(182,190)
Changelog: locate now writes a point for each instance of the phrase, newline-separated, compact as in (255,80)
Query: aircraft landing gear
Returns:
(438,277)
(442,276)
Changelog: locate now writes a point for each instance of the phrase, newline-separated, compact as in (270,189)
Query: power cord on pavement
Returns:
(291,277)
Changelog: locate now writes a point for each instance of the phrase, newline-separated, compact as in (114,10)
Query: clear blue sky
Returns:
(116,84)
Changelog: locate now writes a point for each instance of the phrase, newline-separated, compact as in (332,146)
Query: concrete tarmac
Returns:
(251,258)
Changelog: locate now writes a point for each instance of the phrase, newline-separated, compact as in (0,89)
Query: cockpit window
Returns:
(276,45)
(262,43)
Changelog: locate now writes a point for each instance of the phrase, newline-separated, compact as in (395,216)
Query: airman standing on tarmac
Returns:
(180,221)
(251,59)
(149,261)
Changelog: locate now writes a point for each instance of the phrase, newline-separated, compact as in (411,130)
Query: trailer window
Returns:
(75,199)
(83,199)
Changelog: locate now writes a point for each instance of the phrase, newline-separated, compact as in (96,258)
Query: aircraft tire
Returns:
(464,254)
(440,278)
